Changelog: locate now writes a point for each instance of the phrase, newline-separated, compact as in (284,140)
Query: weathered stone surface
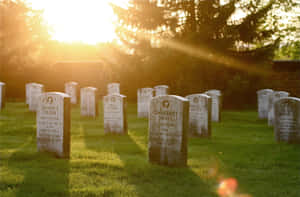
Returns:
(200,115)
(287,120)
(71,89)
(115,118)
(35,90)
(113,88)
(88,102)
(2,95)
(144,97)
(263,102)
(168,127)
(276,95)
(216,104)
(161,90)
(53,123)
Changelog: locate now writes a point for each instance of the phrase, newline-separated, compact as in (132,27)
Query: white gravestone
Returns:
(71,90)
(216,104)
(276,95)
(53,123)
(263,102)
(200,115)
(161,90)
(287,120)
(27,92)
(2,95)
(168,127)
(115,120)
(144,97)
(88,102)
(35,90)
(113,88)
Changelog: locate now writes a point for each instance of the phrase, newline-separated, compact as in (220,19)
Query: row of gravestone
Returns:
(282,112)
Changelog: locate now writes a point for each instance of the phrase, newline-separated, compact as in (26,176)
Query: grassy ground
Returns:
(241,147)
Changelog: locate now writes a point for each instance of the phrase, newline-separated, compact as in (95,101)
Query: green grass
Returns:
(241,147)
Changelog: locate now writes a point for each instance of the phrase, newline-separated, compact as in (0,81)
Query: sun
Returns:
(87,21)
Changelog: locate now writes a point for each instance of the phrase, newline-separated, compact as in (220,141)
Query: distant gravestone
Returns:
(115,119)
(287,120)
(35,90)
(263,102)
(88,102)
(161,90)
(144,97)
(53,123)
(168,127)
(276,95)
(216,104)
(27,92)
(71,90)
(113,88)
(200,115)
(2,95)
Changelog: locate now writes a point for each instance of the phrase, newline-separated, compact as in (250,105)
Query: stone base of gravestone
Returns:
(168,129)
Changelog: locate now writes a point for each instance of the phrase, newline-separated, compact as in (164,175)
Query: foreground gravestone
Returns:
(2,95)
(287,120)
(144,97)
(71,90)
(115,119)
(168,127)
(113,88)
(216,104)
(263,102)
(88,102)
(276,95)
(53,123)
(161,90)
(35,90)
(200,115)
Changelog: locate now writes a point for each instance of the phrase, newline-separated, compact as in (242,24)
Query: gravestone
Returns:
(161,90)
(53,123)
(2,95)
(27,92)
(216,104)
(113,88)
(287,120)
(71,90)
(168,127)
(263,102)
(88,102)
(276,95)
(144,97)
(35,90)
(200,115)
(115,118)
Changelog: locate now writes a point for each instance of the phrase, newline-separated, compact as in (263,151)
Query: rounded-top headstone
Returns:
(161,90)
(263,102)
(53,123)
(71,89)
(113,88)
(216,100)
(276,95)
(168,127)
(2,95)
(287,120)
(88,102)
(144,96)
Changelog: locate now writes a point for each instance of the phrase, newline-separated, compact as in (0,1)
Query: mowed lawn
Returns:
(242,147)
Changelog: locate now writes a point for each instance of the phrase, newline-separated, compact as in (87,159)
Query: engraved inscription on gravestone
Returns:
(216,100)
(200,115)
(144,97)
(88,102)
(161,90)
(263,102)
(276,95)
(115,120)
(35,90)
(71,90)
(53,123)
(287,120)
(168,127)
(2,95)
(113,88)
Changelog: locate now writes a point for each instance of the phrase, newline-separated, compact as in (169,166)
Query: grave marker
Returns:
(161,90)
(88,102)
(276,95)
(263,102)
(35,90)
(168,127)
(144,97)
(2,95)
(216,104)
(71,90)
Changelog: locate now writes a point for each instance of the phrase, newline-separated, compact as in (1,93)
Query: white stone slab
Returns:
(144,96)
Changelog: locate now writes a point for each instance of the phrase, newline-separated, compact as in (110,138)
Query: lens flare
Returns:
(227,187)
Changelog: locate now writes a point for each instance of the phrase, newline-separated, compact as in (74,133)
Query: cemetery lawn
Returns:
(241,147)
